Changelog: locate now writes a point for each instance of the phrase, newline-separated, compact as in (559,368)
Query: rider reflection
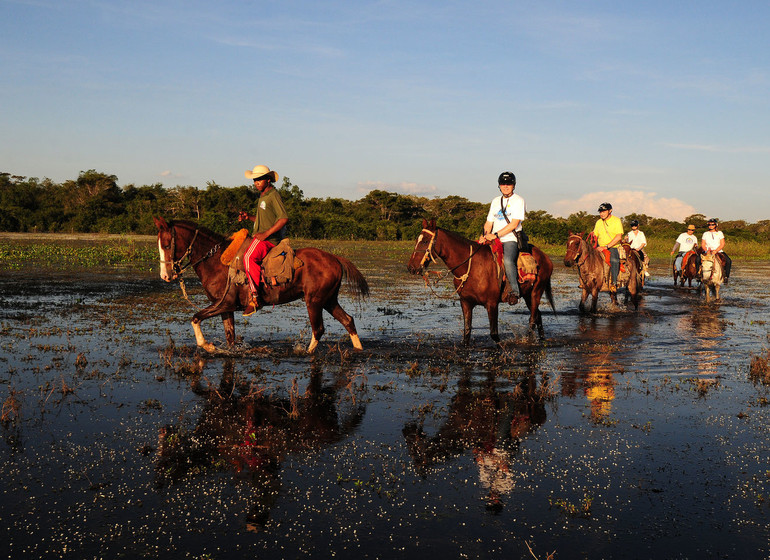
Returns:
(488,422)
(248,431)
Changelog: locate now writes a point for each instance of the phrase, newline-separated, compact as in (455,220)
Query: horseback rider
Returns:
(506,212)
(685,243)
(269,229)
(712,242)
(638,241)
(609,232)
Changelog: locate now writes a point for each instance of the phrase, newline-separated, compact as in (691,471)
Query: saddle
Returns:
(526,263)
(686,258)
(278,266)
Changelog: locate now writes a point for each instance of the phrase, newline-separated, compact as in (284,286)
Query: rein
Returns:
(442,275)
(583,254)
(177,264)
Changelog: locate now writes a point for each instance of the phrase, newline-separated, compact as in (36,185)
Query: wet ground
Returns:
(623,435)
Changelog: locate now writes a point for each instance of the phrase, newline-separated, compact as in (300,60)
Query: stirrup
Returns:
(252,306)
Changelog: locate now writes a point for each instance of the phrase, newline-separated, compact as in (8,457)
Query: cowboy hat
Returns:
(260,171)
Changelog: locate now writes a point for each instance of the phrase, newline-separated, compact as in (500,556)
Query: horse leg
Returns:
(594,298)
(468,321)
(229,324)
(333,307)
(583,297)
(222,307)
(315,314)
(492,313)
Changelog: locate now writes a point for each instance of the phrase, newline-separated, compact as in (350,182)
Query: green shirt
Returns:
(269,210)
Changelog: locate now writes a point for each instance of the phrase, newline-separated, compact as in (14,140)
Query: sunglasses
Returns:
(690,230)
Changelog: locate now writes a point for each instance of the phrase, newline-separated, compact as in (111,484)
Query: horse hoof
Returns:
(210,348)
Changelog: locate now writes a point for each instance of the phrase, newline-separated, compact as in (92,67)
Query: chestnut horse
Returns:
(476,278)
(689,270)
(318,280)
(590,265)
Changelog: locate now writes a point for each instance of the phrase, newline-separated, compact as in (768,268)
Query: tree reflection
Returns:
(248,432)
(490,423)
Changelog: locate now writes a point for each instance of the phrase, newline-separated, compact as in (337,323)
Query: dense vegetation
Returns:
(95,203)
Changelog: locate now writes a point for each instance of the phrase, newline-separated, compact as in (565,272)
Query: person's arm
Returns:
(270,231)
(676,247)
(614,241)
(721,244)
(508,228)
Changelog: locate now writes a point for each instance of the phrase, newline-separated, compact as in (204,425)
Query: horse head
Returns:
(423,249)
(575,248)
(166,248)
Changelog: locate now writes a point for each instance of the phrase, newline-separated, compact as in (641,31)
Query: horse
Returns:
(318,281)
(476,276)
(711,275)
(689,270)
(591,266)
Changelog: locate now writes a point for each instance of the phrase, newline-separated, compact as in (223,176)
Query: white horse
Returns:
(711,273)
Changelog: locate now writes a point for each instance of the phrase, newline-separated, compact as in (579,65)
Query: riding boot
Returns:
(509,296)
(252,306)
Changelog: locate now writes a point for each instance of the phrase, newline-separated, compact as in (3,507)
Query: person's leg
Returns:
(728,263)
(614,264)
(510,256)
(252,262)
(678,262)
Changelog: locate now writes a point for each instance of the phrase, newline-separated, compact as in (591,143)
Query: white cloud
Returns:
(722,149)
(402,188)
(627,202)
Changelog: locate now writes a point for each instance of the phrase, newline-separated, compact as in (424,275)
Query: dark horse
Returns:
(591,270)
(318,280)
(689,270)
(475,276)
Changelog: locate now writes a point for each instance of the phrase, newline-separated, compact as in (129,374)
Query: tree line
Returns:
(94,203)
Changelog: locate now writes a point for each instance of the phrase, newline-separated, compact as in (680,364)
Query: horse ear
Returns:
(424,223)
(433,224)
(160,223)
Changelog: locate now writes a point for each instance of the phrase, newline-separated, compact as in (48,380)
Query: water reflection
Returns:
(706,327)
(489,422)
(248,432)
(606,345)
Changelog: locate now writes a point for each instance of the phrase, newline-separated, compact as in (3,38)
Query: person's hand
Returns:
(672,252)
(261,236)
(243,216)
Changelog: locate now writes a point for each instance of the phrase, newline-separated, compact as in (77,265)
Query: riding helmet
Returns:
(634,223)
(605,206)
(506,178)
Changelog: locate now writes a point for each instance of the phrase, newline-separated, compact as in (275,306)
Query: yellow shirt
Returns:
(606,230)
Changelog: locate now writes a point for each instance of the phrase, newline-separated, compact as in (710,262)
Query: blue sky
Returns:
(657,107)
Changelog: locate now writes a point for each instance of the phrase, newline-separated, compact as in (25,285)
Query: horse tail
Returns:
(353,277)
(549,295)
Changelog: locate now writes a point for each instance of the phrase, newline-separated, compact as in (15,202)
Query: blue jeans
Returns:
(510,258)
(614,264)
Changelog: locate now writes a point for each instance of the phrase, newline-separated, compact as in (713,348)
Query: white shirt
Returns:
(687,242)
(515,209)
(637,240)
(712,239)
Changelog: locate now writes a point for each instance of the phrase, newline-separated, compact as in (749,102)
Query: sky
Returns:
(660,108)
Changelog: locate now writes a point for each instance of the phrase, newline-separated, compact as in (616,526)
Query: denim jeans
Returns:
(614,264)
(510,258)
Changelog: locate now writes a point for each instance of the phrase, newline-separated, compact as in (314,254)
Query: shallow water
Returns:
(624,435)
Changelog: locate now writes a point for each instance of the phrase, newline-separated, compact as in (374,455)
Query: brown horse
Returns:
(689,270)
(318,280)
(591,271)
(476,278)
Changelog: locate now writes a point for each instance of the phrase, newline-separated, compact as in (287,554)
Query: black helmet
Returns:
(634,223)
(506,178)
(713,221)
(605,206)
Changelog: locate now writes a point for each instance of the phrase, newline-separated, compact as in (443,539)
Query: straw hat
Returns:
(260,171)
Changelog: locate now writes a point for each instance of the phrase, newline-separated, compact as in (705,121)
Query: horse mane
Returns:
(457,237)
(202,230)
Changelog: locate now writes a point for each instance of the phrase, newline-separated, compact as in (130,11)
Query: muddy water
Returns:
(623,435)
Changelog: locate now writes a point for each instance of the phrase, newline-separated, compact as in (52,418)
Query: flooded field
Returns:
(624,435)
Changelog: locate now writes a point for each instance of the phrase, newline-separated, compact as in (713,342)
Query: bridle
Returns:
(430,256)
(580,255)
(429,250)
(176,264)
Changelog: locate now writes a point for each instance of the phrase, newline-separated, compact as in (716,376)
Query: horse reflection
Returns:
(490,423)
(249,433)
(708,328)
(597,363)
